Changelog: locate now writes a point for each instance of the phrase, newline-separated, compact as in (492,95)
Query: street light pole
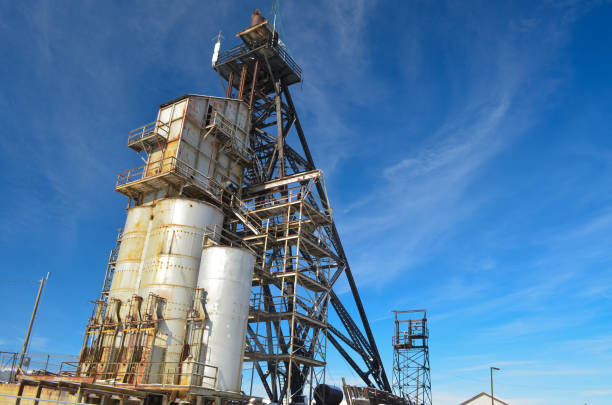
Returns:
(492,397)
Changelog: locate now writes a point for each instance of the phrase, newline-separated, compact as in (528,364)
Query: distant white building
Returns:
(483,399)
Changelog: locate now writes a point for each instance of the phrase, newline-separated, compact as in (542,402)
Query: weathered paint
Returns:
(170,267)
(225,275)
(125,277)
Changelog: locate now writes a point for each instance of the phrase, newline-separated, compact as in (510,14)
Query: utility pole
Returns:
(27,339)
(492,397)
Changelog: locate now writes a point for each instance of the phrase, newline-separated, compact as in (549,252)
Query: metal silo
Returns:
(125,279)
(225,276)
(171,262)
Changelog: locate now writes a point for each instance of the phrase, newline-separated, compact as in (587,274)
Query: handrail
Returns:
(292,194)
(152,128)
(241,49)
(226,126)
(37,363)
(232,52)
(282,52)
(230,130)
(264,344)
(167,166)
(170,373)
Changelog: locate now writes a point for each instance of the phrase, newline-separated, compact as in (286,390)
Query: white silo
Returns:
(225,274)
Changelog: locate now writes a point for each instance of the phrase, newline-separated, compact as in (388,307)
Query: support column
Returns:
(280,141)
(230,84)
(254,83)
(242,82)
(38,392)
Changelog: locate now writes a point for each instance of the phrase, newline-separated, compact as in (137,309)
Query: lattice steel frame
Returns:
(411,378)
(288,355)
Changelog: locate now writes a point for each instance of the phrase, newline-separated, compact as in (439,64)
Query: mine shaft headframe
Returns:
(254,67)
(260,72)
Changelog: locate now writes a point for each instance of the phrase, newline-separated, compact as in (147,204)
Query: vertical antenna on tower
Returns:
(215,56)
(274,13)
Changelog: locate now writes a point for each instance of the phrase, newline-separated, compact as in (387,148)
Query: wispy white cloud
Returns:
(531,325)
(330,38)
(597,345)
(597,392)
(420,200)
(90,69)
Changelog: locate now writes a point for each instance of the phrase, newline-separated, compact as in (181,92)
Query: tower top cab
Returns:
(261,45)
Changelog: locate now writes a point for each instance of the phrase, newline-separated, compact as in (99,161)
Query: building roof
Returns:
(497,400)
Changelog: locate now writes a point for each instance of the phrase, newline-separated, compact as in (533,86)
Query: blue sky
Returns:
(466,148)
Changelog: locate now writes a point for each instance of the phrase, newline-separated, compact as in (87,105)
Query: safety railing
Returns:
(170,165)
(232,53)
(225,126)
(231,135)
(242,49)
(149,170)
(317,270)
(293,193)
(215,234)
(238,149)
(416,329)
(270,346)
(306,305)
(33,364)
(246,209)
(148,372)
(155,128)
(282,52)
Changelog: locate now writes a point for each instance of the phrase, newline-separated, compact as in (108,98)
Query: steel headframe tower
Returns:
(285,214)
(411,379)
(285,217)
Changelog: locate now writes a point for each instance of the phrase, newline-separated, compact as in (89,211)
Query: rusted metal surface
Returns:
(140,338)
(242,82)
(207,134)
(254,83)
(171,262)
(129,259)
(257,18)
(230,84)
(355,395)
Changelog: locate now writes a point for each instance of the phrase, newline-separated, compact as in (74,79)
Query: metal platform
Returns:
(168,172)
(260,43)
(148,136)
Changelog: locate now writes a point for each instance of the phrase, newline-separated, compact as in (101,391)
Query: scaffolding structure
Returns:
(411,378)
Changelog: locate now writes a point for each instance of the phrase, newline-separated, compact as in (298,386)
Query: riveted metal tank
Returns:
(129,258)
(170,270)
(225,274)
